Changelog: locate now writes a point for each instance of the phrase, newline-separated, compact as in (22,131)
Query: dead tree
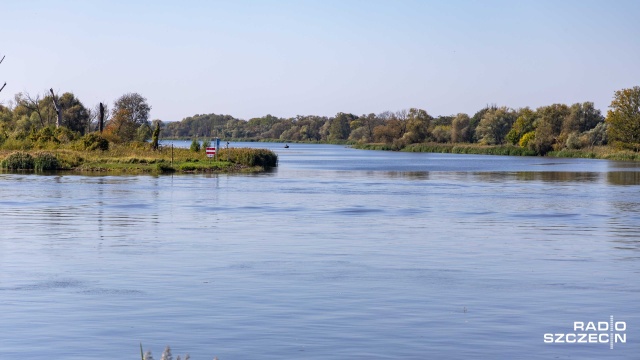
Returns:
(58,109)
(5,83)
(101,119)
(32,104)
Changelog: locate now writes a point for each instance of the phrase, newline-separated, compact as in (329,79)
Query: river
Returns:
(336,254)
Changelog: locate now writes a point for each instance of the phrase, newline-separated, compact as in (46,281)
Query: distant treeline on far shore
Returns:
(547,128)
(555,127)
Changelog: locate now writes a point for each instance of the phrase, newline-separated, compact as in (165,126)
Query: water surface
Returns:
(336,254)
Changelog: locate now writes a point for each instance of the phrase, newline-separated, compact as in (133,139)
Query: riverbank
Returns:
(598,152)
(137,159)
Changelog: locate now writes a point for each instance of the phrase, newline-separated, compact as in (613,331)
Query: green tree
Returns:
(582,117)
(549,126)
(155,137)
(442,133)
(417,129)
(75,116)
(495,125)
(523,124)
(340,126)
(475,120)
(130,112)
(120,128)
(394,126)
(195,145)
(460,128)
(369,122)
(143,133)
(624,119)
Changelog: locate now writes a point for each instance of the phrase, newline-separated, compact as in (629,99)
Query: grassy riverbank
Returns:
(598,152)
(135,159)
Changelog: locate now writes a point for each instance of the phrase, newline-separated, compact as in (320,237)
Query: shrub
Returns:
(250,157)
(195,145)
(44,135)
(95,141)
(18,161)
(64,134)
(46,161)
(527,138)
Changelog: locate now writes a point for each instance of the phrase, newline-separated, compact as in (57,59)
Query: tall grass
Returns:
(139,158)
(46,161)
(509,150)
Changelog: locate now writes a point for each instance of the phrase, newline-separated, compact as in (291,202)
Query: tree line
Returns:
(49,116)
(546,128)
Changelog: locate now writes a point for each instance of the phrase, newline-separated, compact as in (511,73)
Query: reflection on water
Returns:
(623,178)
(558,176)
(369,254)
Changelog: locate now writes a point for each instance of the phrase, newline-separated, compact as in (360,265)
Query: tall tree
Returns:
(340,126)
(624,119)
(418,122)
(136,106)
(460,129)
(549,126)
(582,117)
(495,125)
(475,120)
(75,116)
(130,112)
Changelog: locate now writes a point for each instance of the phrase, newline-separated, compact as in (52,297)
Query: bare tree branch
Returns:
(33,104)
(5,83)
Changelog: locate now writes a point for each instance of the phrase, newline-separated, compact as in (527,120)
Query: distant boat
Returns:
(286,146)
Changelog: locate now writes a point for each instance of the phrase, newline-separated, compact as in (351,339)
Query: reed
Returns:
(596,152)
(45,161)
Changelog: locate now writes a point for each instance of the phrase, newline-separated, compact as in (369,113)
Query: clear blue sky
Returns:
(287,58)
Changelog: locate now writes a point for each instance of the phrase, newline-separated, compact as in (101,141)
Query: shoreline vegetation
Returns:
(51,131)
(137,158)
(596,152)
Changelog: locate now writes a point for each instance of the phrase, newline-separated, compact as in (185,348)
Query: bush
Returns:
(53,135)
(65,135)
(95,141)
(18,161)
(195,145)
(46,161)
(250,157)
(527,138)
(44,135)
